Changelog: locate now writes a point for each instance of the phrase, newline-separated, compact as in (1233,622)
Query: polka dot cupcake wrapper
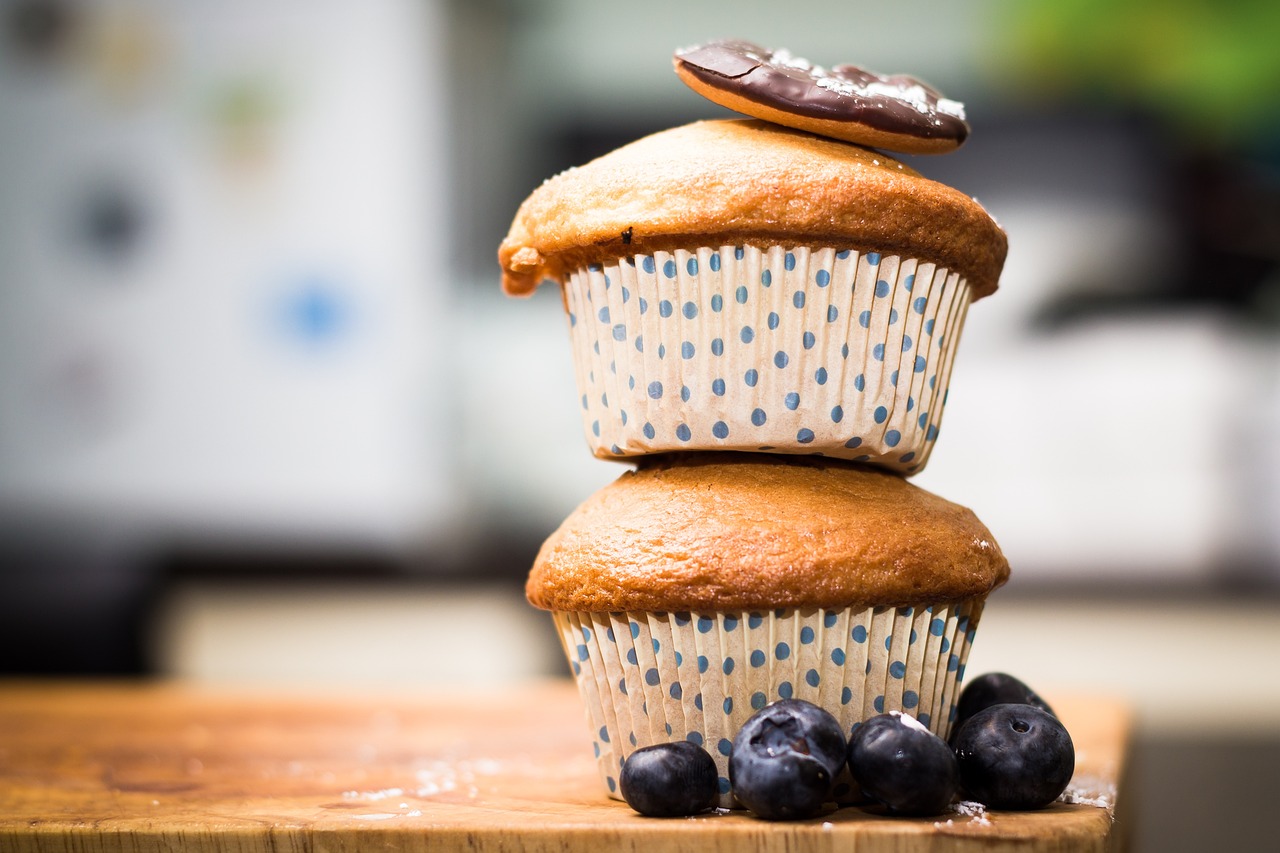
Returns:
(649,678)
(828,351)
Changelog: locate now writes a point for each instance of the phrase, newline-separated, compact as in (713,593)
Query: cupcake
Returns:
(740,285)
(777,285)
(698,588)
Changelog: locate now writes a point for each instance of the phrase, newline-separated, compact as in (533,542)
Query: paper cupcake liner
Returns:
(649,678)
(802,350)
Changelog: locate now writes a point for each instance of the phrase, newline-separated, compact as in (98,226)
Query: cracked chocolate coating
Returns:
(897,112)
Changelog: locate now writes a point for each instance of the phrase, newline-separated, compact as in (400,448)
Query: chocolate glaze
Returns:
(894,104)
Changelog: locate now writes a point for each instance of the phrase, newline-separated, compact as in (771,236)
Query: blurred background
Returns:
(264,414)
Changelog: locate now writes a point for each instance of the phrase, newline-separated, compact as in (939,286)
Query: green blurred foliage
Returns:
(1211,68)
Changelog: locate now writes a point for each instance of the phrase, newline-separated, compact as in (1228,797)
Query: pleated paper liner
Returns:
(792,350)
(649,678)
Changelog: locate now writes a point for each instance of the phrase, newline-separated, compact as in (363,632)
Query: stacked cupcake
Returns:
(764,316)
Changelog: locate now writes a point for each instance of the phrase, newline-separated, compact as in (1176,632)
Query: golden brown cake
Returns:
(691,593)
(718,183)
(723,531)
(739,285)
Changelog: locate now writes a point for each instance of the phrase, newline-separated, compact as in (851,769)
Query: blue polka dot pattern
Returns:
(691,676)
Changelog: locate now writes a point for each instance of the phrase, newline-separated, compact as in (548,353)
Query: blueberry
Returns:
(900,763)
(1014,757)
(669,780)
(785,759)
(995,688)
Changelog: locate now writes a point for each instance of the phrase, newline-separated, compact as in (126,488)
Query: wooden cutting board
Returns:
(149,768)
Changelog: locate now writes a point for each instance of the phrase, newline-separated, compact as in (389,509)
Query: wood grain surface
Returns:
(142,768)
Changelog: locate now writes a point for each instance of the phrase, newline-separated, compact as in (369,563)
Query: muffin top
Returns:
(725,531)
(719,183)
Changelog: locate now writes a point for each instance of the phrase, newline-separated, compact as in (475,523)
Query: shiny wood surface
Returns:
(137,768)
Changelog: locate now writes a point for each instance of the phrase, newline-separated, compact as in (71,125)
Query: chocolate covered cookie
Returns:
(896,112)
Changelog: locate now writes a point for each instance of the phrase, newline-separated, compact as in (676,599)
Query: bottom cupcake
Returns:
(699,588)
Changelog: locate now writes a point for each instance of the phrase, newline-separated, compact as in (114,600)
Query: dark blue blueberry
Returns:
(785,759)
(900,763)
(1014,756)
(995,688)
(669,780)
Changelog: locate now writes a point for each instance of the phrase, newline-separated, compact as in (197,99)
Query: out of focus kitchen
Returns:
(267,419)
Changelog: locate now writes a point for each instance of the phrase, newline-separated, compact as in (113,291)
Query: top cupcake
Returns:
(746,285)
